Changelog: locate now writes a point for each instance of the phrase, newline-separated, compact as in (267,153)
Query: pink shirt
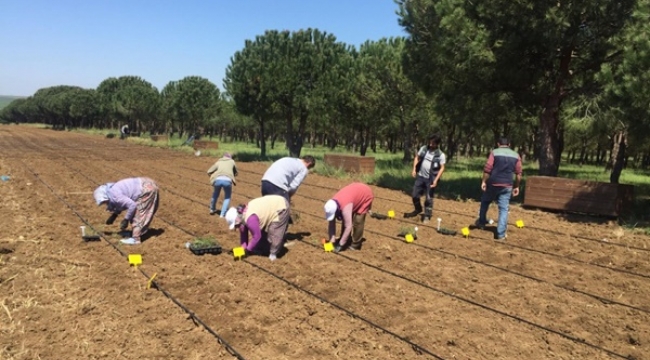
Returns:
(355,198)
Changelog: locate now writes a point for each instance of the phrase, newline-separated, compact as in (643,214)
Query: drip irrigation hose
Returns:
(456,297)
(417,348)
(594,296)
(485,307)
(167,294)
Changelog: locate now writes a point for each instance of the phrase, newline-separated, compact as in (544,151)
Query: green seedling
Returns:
(203,242)
(407,230)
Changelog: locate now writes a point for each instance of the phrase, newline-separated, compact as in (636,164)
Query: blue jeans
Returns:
(502,196)
(227,189)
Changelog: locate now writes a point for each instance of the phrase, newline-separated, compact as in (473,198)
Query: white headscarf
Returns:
(101,193)
(231,217)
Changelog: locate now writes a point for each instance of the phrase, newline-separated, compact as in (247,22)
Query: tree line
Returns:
(561,80)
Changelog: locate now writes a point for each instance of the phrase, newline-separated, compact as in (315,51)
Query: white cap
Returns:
(231,218)
(330,209)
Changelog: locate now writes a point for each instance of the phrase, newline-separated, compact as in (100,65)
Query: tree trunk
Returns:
(617,158)
(406,137)
(364,142)
(295,138)
(450,142)
(262,139)
(549,139)
(550,132)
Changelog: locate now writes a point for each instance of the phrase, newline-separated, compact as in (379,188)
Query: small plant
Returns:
(407,230)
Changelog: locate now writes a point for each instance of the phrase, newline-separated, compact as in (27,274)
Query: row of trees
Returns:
(556,78)
(183,105)
(580,67)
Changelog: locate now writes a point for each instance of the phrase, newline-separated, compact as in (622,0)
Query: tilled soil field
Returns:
(557,289)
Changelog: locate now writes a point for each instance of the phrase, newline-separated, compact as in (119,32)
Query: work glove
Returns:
(111,219)
(124,224)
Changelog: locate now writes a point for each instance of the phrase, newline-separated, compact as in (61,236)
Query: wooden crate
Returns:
(202,144)
(358,164)
(159,137)
(579,196)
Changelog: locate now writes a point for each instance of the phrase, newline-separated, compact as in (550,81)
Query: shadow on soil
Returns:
(296,236)
(152,233)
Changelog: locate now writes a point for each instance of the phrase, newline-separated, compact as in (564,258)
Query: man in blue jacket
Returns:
(502,165)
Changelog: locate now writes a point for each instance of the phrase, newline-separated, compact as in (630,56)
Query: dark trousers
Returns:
(421,187)
(269,188)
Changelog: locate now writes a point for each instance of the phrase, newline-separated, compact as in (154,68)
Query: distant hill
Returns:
(5,100)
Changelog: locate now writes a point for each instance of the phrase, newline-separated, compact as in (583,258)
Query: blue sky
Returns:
(82,42)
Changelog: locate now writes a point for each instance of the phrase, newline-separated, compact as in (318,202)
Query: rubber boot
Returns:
(428,211)
(417,211)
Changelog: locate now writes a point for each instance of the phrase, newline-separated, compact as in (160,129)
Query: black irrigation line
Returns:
(469,301)
(555,232)
(627,272)
(419,349)
(530,277)
(167,294)
(485,307)
(453,296)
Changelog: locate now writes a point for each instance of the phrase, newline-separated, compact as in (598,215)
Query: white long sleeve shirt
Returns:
(286,173)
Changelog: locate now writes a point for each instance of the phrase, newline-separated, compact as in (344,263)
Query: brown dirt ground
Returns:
(559,288)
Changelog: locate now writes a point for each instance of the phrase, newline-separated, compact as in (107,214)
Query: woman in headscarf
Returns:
(138,196)
(222,176)
(266,216)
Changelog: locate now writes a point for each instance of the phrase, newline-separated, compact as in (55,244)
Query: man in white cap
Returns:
(350,205)
(266,216)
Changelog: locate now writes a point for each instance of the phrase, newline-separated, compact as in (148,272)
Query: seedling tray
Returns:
(206,250)
(88,238)
(444,231)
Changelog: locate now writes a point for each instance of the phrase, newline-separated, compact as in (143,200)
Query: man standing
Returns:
(498,185)
(284,176)
(428,167)
(350,205)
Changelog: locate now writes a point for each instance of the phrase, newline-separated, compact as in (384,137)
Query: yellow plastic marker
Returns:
(151,280)
(391,214)
(328,246)
(238,252)
(135,259)
(465,231)
(408,238)
(519,223)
